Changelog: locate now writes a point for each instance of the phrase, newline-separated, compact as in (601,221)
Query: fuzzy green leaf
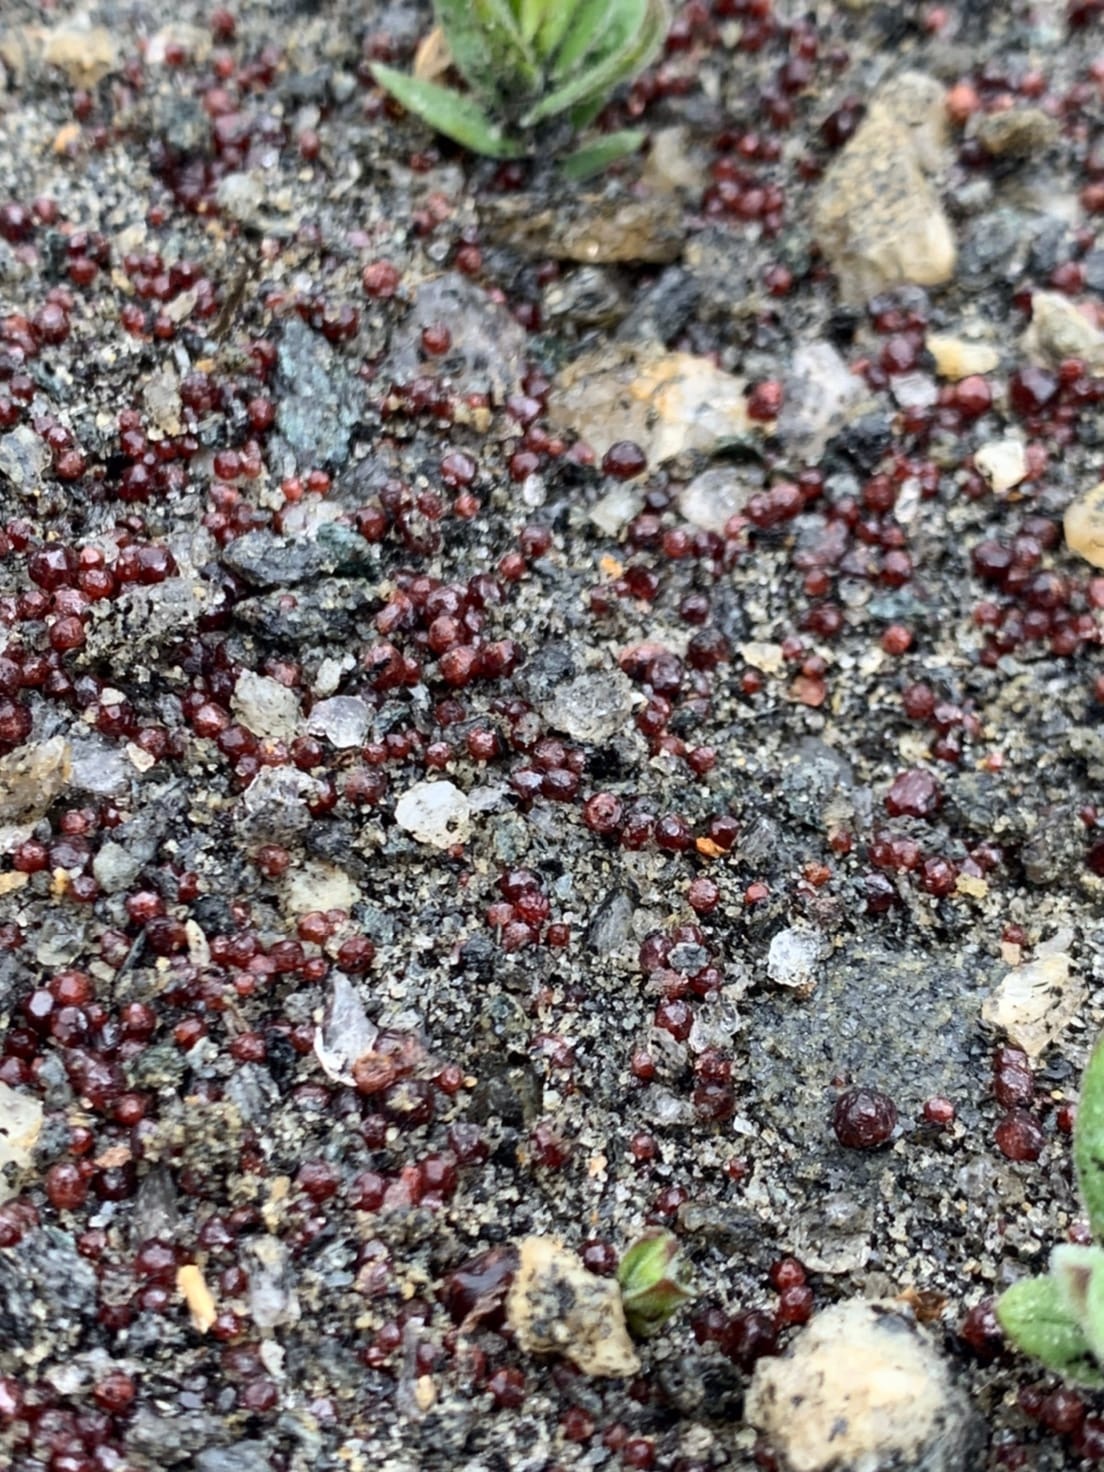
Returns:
(1079,1274)
(1088,1139)
(584,25)
(459,118)
(635,36)
(1071,1267)
(488,49)
(559,18)
(592,158)
(1036,1318)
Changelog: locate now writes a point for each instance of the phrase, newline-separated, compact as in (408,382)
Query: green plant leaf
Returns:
(459,118)
(584,114)
(488,49)
(1079,1274)
(530,14)
(583,26)
(654,1281)
(1088,1139)
(635,37)
(592,158)
(1071,1267)
(559,17)
(1035,1316)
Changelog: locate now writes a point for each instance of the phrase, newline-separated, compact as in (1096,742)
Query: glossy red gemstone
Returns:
(624,460)
(864,1119)
(1019,1136)
(913,794)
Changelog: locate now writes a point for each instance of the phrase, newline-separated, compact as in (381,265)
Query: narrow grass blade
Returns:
(642,26)
(592,158)
(1088,1140)
(459,118)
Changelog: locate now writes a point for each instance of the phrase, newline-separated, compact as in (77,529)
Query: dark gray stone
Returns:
(320,399)
(46,1287)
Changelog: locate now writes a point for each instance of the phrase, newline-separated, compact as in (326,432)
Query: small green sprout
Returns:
(538,72)
(1059,1319)
(655,1281)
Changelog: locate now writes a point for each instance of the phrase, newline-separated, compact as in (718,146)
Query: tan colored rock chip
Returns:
(1060,330)
(556,1306)
(1023,132)
(435,813)
(310,885)
(877,216)
(265,706)
(1083,525)
(192,1287)
(674,162)
(20,1124)
(161,397)
(1003,463)
(86,54)
(608,228)
(1033,1004)
(31,777)
(667,403)
(958,357)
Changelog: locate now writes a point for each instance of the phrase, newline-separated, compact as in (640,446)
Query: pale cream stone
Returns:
(556,1306)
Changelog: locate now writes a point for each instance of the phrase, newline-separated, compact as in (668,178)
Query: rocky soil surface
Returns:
(530,713)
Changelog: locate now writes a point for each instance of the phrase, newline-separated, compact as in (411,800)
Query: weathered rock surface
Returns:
(594,229)
(877,215)
(1083,525)
(667,403)
(862,1390)
(557,1307)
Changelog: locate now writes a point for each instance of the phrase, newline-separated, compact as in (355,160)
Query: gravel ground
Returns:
(529,712)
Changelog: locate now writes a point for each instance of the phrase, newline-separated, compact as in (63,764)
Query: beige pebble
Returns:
(435,813)
(556,1306)
(1083,525)
(1033,1004)
(958,357)
(85,54)
(193,1289)
(877,216)
(1003,463)
(20,1126)
(1059,329)
(1020,133)
(861,1390)
(606,228)
(667,403)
